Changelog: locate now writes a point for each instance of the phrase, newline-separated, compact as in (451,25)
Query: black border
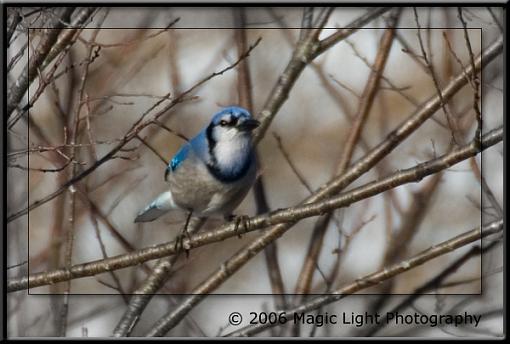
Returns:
(212,5)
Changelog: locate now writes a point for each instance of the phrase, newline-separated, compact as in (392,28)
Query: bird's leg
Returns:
(178,244)
(238,220)
(179,240)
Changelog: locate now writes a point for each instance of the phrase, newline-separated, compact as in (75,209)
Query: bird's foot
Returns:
(179,241)
(240,220)
(179,244)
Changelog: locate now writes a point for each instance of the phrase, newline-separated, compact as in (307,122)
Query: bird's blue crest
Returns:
(235,111)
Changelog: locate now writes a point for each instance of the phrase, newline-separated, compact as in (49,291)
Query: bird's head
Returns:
(232,123)
(230,149)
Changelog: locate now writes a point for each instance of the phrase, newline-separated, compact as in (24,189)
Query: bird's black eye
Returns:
(223,123)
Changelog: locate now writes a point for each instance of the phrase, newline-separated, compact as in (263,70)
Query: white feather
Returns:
(216,202)
(163,203)
(231,148)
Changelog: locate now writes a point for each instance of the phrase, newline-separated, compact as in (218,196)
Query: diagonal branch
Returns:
(246,100)
(365,105)
(384,274)
(137,127)
(358,169)
(29,73)
(306,51)
(435,282)
(61,47)
(244,255)
(350,28)
(144,293)
(284,217)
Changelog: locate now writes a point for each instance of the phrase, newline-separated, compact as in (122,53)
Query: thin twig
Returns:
(306,51)
(384,148)
(382,275)
(133,41)
(366,101)
(60,47)
(228,268)
(475,79)
(246,100)
(29,73)
(496,20)
(143,294)
(152,149)
(432,73)
(293,167)
(317,204)
(136,127)
(436,281)
(16,265)
(486,189)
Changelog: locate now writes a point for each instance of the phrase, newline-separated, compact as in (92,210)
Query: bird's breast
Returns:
(195,188)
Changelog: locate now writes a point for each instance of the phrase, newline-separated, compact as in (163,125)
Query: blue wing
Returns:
(177,159)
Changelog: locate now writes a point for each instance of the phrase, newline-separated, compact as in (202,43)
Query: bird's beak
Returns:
(248,125)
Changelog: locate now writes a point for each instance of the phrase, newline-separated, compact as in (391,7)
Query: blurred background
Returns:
(125,60)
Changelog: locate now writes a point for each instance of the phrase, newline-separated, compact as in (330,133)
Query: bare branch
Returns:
(350,28)
(290,215)
(306,51)
(143,294)
(474,78)
(436,281)
(49,37)
(136,40)
(364,106)
(229,267)
(431,70)
(246,100)
(152,149)
(382,275)
(286,155)
(138,126)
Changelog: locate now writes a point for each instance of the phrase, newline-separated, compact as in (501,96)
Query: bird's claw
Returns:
(238,220)
(179,241)
(179,244)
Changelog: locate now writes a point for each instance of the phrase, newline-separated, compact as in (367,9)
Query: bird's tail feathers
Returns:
(162,204)
(149,214)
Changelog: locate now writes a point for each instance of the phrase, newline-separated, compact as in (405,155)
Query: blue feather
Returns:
(179,157)
(225,149)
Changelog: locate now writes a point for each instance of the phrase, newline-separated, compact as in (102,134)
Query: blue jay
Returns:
(213,172)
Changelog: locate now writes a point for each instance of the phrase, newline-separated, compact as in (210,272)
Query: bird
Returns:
(212,173)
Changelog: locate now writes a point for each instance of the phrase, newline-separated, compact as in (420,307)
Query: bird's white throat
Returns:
(232,154)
